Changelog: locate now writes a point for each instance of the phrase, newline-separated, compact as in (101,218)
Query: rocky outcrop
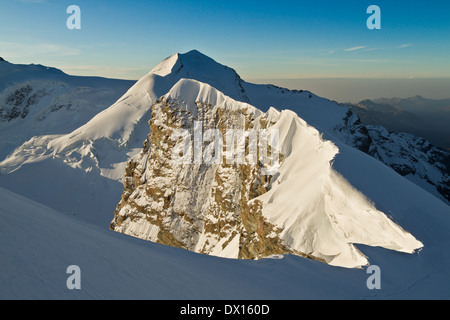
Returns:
(414,158)
(354,133)
(198,195)
(18,103)
(410,156)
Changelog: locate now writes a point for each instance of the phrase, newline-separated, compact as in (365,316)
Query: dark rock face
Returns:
(19,103)
(354,132)
(411,156)
(162,195)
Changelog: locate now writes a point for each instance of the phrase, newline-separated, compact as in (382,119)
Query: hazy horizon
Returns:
(356,89)
(325,47)
(338,89)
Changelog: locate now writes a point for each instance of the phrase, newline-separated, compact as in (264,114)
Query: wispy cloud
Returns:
(372,49)
(406,45)
(355,48)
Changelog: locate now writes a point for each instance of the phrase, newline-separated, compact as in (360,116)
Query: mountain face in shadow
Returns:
(427,118)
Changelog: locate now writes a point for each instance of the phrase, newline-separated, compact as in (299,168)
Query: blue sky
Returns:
(260,39)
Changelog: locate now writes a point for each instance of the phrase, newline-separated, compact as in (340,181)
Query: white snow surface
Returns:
(328,198)
(47,101)
(39,244)
(319,211)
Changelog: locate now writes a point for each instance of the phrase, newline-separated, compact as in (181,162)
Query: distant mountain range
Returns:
(427,118)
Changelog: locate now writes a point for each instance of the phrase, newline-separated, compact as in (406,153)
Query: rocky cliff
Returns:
(202,197)
(208,208)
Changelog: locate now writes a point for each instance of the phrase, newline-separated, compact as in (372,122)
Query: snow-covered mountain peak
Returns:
(192,60)
(195,61)
(187,92)
(121,123)
(195,65)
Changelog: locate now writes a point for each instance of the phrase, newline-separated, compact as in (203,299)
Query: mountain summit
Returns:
(196,65)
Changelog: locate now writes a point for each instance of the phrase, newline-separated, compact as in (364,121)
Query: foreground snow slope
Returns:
(38,244)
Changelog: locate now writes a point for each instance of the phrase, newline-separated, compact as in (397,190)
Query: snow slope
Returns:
(37,100)
(320,212)
(40,243)
(410,156)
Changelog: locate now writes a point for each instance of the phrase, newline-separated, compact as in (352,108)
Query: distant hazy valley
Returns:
(427,118)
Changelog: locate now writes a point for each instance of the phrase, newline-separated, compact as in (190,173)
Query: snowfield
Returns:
(39,244)
(38,100)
